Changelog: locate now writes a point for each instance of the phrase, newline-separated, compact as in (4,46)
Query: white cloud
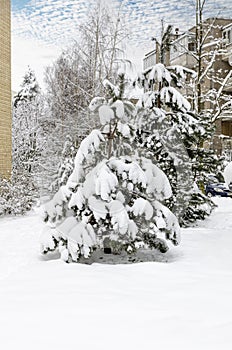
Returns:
(54,21)
(43,27)
(28,52)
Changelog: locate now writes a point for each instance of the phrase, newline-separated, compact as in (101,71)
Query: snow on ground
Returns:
(184,303)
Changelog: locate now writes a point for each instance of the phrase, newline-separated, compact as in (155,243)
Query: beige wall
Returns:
(5,89)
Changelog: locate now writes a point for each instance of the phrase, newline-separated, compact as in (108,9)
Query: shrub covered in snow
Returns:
(17,196)
(113,199)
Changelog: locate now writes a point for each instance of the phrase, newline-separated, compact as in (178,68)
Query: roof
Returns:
(215,19)
(211,19)
(183,35)
(150,52)
(228,25)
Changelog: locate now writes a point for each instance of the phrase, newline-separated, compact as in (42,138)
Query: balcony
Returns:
(182,49)
(150,59)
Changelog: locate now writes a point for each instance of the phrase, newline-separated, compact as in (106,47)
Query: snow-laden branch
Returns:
(180,70)
(223,84)
(205,36)
(171,95)
(219,108)
(157,73)
(209,66)
(222,108)
(89,145)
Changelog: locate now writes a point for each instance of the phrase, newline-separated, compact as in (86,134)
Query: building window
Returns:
(227,128)
(191,46)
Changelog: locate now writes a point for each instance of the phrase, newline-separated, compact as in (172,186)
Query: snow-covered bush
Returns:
(199,207)
(17,196)
(113,199)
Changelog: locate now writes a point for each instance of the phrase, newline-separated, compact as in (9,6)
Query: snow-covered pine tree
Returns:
(170,132)
(113,200)
(29,88)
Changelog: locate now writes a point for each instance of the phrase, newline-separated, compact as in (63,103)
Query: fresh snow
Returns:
(158,73)
(228,173)
(171,95)
(181,301)
(106,114)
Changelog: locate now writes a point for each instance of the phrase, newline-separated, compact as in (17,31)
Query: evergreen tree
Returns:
(29,88)
(170,132)
(113,199)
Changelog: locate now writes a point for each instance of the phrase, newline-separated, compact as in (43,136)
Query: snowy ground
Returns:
(185,303)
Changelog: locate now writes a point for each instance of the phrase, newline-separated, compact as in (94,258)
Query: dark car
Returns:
(218,189)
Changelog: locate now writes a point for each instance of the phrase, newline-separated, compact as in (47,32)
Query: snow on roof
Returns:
(228,25)
(226,116)
(190,30)
(150,53)
(183,35)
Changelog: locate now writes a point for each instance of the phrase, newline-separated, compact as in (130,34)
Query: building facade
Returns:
(217,33)
(218,38)
(5,90)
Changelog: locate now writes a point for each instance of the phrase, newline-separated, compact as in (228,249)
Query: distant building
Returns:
(5,89)
(182,53)
(182,49)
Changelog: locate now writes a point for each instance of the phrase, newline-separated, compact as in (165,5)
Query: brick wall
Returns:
(5,89)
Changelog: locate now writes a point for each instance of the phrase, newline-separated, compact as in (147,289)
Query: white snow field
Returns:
(184,302)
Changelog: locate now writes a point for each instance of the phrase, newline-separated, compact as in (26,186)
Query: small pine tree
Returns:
(29,88)
(113,199)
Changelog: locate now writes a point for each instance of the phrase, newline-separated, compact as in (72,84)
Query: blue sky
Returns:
(41,28)
(19,4)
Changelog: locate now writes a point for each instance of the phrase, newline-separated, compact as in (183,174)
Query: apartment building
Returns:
(218,38)
(5,89)
(218,33)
